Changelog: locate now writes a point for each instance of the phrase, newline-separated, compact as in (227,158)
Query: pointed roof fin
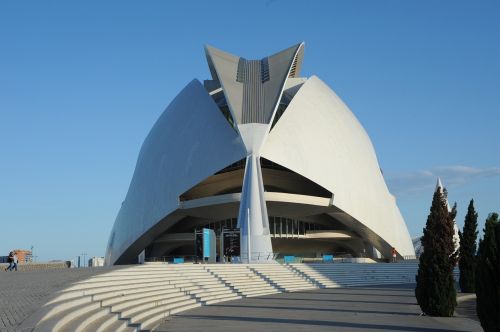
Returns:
(223,67)
(253,88)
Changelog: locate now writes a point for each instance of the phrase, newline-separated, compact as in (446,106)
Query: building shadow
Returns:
(357,311)
(331,324)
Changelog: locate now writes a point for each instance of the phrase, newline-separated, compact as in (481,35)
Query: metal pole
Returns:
(248,236)
(195,247)
(221,246)
(84,254)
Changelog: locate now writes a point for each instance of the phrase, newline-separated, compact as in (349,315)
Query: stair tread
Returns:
(164,308)
(154,320)
(77,324)
(64,316)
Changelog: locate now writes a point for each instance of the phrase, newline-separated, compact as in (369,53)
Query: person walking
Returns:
(15,260)
(394,255)
(10,260)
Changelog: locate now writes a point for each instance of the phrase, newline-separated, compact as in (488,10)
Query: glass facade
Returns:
(279,227)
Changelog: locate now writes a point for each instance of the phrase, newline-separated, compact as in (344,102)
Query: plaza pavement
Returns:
(379,308)
(23,292)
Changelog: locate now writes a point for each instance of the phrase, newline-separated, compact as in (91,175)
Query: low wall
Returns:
(36,266)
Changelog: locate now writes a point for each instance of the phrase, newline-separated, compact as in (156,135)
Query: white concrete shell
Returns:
(317,138)
(190,141)
(321,139)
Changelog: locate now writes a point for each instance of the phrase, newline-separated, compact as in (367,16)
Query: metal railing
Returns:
(170,259)
(257,257)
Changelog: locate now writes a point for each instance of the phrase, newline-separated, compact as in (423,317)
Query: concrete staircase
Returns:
(283,278)
(250,280)
(205,287)
(141,297)
(130,299)
(242,279)
(352,274)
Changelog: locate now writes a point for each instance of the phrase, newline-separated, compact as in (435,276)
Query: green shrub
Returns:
(488,276)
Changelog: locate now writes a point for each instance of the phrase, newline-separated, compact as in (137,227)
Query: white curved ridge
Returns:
(319,138)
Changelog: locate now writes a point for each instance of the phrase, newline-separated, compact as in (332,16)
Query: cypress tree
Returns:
(467,260)
(488,276)
(435,290)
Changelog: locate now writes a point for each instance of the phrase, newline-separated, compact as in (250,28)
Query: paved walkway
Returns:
(467,307)
(23,292)
(383,308)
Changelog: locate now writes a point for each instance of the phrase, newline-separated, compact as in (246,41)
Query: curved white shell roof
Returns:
(190,141)
(321,139)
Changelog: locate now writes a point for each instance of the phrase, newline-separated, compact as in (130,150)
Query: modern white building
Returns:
(96,261)
(262,149)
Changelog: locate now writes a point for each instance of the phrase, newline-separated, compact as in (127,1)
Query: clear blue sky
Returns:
(81,84)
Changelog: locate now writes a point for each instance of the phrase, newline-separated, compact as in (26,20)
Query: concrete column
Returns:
(252,219)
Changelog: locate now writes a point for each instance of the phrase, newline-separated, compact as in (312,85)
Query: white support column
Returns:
(249,236)
(253,220)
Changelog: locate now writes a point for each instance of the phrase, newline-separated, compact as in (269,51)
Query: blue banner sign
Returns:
(327,258)
(178,260)
(289,259)
(208,243)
